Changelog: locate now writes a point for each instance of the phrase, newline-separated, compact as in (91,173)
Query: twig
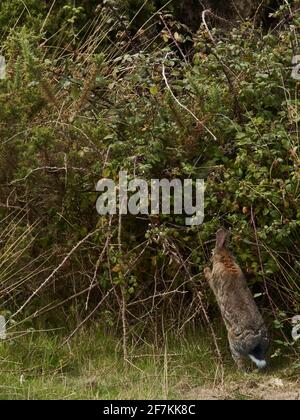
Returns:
(92,284)
(88,317)
(227,71)
(208,11)
(260,259)
(174,39)
(157,295)
(46,168)
(181,105)
(56,270)
(122,286)
(198,295)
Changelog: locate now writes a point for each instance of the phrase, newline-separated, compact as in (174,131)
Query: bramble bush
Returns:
(71,115)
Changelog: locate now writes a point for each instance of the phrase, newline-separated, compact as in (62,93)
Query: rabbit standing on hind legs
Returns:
(247,333)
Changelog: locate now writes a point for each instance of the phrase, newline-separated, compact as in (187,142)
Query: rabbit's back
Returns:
(236,303)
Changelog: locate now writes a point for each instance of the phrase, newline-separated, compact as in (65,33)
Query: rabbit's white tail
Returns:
(261,364)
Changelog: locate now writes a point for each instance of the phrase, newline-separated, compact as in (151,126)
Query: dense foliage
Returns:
(115,86)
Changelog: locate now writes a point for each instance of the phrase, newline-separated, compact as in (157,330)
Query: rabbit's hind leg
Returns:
(241,364)
(240,361)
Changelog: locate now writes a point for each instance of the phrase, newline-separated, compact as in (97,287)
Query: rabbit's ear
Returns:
(222,237)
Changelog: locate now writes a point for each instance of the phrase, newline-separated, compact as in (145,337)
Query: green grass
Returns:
(91,366)
(38,366)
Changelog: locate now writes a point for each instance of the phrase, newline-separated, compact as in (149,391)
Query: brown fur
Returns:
(246,329)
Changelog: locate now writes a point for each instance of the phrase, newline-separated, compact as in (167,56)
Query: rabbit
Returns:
(247,333)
